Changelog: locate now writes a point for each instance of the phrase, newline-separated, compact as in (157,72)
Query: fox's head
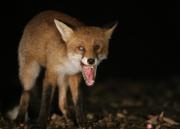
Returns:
(86,46)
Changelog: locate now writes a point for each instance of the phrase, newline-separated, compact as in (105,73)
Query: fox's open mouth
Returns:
(89,73)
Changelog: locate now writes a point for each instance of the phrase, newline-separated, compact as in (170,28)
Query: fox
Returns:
(69,50)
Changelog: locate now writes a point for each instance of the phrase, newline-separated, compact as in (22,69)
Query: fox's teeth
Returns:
(89,79)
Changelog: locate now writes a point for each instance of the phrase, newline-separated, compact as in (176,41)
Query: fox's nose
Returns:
(91,61)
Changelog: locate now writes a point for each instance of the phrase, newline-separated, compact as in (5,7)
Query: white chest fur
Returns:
(70,66)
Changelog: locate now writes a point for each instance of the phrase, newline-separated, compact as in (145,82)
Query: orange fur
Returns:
(52,40)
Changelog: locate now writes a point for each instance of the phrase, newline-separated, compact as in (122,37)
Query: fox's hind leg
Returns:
(28,73)
(49,85)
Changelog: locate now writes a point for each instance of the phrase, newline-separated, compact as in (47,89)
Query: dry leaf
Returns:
(120,115)
(158,127)
(161,116)
(161,120)
(153,120)
(170,121)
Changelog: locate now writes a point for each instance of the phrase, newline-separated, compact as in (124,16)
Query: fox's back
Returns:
(40,33)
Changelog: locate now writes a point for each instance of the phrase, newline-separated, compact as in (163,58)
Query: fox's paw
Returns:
(20,120)
(81,121)
(82,124)
(21,125)
(70,116)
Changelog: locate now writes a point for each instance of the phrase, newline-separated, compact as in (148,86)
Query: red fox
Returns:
(65,47)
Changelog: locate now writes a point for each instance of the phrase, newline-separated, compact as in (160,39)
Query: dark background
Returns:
(144,45)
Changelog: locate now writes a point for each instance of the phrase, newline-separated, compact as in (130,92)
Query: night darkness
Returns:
(143,46)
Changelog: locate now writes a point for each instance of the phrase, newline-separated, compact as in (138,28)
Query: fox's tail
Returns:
(12,114)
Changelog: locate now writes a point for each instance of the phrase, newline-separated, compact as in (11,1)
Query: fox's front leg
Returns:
(62,93)
(74,82)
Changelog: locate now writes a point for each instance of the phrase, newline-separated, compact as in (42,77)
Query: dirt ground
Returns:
(125,104)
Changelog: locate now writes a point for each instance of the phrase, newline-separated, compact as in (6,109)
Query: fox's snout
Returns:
(89,61)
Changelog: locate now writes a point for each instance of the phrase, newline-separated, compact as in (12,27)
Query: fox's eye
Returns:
(81,48)
(96,47)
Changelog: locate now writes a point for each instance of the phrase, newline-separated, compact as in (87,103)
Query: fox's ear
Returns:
(109,29)
(65,31)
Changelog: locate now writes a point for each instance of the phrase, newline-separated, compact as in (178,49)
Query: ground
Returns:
(125,104)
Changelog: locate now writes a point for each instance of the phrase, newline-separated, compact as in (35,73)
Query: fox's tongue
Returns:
(89,74)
